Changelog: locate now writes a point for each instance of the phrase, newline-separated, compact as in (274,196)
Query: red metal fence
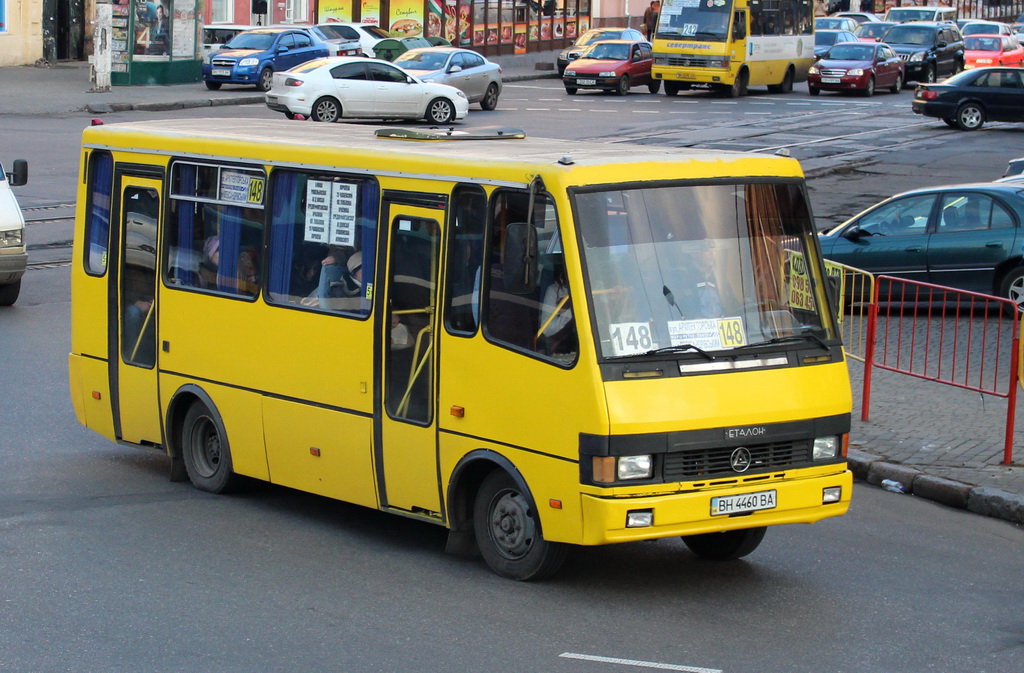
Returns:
(963,339)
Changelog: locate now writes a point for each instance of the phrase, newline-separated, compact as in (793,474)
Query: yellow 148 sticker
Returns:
(255,190)
(730,331)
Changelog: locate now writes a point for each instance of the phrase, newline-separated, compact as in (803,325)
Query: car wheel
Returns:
(739,86)
(654,85)
(869,90)
(440,111)
(813,90)
(205,451)
(623,88)
(1013,287)
(727,545)
(326,109)
(9,293)
(490,100)
(671,88)
(571,90)
(929,75)
(970,117)
(958,66)
(266,80)
(508,531)
(212,86)
(898,84)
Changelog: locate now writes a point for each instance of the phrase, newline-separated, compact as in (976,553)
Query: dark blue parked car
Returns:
(254,56)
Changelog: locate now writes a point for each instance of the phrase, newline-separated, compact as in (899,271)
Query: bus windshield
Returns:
(707,21)
(701,268)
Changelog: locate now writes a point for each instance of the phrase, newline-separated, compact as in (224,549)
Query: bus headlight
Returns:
(719,62)
(825,448)
(635,467)
(12,238)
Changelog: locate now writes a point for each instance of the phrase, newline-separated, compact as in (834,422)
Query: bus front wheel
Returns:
(205,450)
(727,545)
(508,531)
(739,86)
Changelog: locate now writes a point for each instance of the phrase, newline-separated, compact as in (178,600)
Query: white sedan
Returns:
(329,89)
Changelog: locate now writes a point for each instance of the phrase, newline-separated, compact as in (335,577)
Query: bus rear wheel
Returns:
(205,450)
(508,531)
(727,545)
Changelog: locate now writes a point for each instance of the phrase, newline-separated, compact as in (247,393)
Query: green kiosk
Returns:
(155,42)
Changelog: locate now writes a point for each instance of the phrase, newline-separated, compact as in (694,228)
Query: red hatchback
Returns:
(612,65)
(857,66)
(982,51)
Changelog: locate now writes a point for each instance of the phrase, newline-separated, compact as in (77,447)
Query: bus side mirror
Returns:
(19,175)
(520,259)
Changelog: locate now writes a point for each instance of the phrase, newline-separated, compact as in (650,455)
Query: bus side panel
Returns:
(321,451)
(551,482)
(241,413)
(88,376)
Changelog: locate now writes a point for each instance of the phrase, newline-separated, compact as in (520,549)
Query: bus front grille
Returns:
(689,61)
(716,462)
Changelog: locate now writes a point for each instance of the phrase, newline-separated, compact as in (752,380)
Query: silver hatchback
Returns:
(463,69)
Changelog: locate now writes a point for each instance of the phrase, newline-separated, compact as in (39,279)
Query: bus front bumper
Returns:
(797,500)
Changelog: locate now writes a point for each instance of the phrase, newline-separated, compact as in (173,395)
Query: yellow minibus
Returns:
(728,45)
(534,343)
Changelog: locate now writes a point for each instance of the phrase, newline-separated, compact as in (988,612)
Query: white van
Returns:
(13,258)
(937,14)
(215,36)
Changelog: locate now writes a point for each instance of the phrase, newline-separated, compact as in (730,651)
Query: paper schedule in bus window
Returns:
(331,212)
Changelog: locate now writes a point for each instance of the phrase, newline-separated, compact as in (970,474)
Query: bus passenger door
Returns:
(135,384)
(406,370)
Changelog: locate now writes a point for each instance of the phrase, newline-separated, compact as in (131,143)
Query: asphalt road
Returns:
(107,566)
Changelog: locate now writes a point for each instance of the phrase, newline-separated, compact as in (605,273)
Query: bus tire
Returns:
(739,86)
(786,85)
(654,85)
(204,446)
(9,293)
(508,531)
(727,545)
(671,88)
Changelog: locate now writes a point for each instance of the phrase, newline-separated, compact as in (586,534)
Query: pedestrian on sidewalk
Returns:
(650,22)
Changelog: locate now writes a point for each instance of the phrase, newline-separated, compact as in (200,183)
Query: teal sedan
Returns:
(963,236)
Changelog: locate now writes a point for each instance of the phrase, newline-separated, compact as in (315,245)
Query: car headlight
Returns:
(249,61)
(12,238)
(825,448)
(856,72)
(917,57)
(570,73)
(813,70)
(606,73)
(635,467)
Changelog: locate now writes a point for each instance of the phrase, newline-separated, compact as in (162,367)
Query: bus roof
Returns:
(496,160)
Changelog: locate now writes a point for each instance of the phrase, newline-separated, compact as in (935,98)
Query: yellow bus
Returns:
(534,343)
(728,45)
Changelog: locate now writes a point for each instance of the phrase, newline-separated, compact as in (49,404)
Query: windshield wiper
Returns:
(792,338)
(667,349)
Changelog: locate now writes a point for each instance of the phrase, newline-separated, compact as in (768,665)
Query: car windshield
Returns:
(592,36)
(607,52)
(871,30)
(703,21)
(980,29)
(851,52)
(830,24)
(983,43)
(825,38)
(259,41)
(708,267)
(909,35)
(422,60)
(910,14)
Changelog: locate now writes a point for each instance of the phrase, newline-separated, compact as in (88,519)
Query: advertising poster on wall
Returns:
(334,11)
(370,12)
(3,16)
(492,33)
(435,19)
(183,34)
(451,20)
(406,18)
(519,39)
(152,31)
(465,10)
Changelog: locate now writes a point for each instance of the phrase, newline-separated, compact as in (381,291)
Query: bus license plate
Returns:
(586,82)
(222,72)
(740,504)
(831,80)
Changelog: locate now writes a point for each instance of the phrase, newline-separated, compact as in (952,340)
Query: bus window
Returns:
(541,321)
(215,229)
(322,240)
(465,257)
(97,226)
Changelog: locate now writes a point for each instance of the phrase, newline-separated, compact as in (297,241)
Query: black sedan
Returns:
(969,99)
(962,236)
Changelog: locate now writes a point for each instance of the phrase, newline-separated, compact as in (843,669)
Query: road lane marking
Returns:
(646,112)
(538,109)
(639,664)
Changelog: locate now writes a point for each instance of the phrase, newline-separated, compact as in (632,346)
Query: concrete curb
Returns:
(984,500)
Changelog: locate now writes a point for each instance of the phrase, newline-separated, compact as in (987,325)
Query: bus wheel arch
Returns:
(192,418)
